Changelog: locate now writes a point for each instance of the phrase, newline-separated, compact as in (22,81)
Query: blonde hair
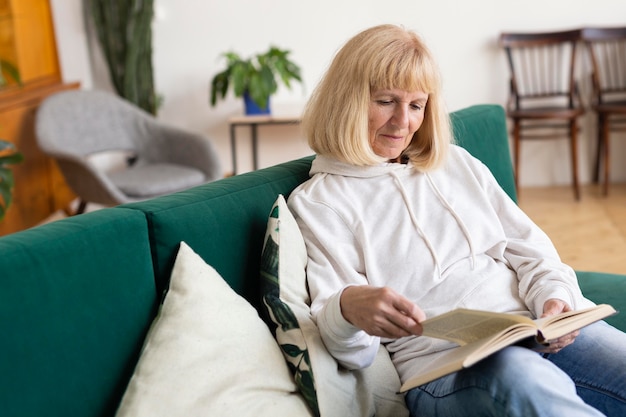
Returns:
(335,119)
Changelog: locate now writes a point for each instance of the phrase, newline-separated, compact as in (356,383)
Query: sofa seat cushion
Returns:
(209,354)
(329,389)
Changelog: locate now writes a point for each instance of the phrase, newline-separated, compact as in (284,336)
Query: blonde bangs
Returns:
(406,66)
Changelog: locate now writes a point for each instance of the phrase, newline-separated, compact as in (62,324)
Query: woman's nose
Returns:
(401,116)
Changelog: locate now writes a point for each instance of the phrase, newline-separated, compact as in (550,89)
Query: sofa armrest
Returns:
(606,288)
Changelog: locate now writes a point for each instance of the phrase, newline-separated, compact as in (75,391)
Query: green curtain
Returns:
(124,29)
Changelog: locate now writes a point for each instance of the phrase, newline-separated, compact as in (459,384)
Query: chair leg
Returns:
(82,205)
(516,152)
(605,156)
(599,149)
(574,145)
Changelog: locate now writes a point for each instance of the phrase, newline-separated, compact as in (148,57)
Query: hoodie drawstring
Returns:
(448,207)
(456,216)
(409,206)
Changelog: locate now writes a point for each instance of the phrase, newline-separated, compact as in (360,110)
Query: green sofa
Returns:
(77,296)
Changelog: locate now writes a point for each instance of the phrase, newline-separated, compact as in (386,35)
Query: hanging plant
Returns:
(124,29)
(8,156)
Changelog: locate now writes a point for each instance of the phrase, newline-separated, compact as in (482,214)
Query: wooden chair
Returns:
(607,52)
(544,101)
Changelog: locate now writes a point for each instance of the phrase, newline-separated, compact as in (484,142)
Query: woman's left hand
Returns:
(550,308)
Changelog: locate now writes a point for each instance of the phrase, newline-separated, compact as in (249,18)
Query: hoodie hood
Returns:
(325,165)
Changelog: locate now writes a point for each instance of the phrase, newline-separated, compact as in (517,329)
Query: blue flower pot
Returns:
(252,108)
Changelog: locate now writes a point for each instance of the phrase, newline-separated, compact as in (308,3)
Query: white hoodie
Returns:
(446,239)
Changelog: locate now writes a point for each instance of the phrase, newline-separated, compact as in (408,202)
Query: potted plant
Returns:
(255,79)
(8,156)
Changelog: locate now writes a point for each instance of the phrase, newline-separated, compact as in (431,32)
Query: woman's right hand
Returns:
(380,311)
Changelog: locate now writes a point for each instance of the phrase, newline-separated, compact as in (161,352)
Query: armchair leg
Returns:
(82,205)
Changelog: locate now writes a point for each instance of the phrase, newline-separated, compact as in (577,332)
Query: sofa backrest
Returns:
(482,130)
(76,299)
(225,221)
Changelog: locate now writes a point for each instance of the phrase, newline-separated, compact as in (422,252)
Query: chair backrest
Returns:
(542,67)
(607,53)
(85,122)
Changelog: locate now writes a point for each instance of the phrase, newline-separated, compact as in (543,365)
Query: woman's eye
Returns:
(384,102)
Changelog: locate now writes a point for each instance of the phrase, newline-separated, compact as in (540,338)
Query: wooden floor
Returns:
(589,234)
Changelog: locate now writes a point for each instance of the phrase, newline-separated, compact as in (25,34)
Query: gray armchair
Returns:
(75,126)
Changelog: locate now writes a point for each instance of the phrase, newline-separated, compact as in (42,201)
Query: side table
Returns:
(254,122)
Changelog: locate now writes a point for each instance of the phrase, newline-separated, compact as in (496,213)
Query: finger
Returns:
(568,338)
(407,324)
(409,309)
(410,316)
(392,331)
(383,326)
(557,345)
(552,309)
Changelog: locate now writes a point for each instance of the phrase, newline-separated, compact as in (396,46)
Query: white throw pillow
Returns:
(329,389)
(209,354)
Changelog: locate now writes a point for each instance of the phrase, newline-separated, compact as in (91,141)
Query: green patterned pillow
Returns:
(286,327)
(328,389)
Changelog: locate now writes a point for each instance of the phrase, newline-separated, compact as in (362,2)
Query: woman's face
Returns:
(393,117)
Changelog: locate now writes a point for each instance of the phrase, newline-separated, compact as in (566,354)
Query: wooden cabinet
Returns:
(39,186)
(27,40)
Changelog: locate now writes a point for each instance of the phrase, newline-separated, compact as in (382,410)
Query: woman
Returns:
(400,225)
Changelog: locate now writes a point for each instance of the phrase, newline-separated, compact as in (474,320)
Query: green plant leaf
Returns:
(256,75)
(124,32)
(8,156)
(6,178)
(11,159)
(6,187)
(11,70)
(219,85)
(269,80)
(257,89)
(5,200)
(241,74)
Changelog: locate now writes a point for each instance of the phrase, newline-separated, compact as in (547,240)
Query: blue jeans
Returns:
(587,378)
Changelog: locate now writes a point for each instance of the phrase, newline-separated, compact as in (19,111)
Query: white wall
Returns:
(189,36)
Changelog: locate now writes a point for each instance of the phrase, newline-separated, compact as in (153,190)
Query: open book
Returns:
(482,333)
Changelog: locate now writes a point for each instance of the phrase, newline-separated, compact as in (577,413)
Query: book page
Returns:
(464,326)
(483,333)
(553,327)
(467,355)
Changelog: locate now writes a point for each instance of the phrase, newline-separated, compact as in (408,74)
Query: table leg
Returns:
(255,162)
(233,148)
